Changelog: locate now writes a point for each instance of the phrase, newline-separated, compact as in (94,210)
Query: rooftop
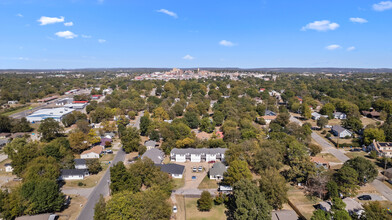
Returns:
(155,155)
(171,168)
(198,151)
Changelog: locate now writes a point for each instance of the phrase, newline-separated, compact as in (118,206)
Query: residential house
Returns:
(341,132)
(320,162)
(174,170)
(45,216)
(299,98)
(3,142)
(269,116)
(80,164)
(371,114)
(96,96)
(155,155)
(225,189)
(316,116)
(150,144)
(197,155)
(382,148)
(339,115)
(109,135)
(352,206)
(12,102)
(8,168)
(5,135)
(92,153)
(73,174)
(217,171)
(284,215)
(106,141)
(202,135)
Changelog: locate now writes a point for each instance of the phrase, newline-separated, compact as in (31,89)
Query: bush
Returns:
(81,184)
(373,154)
(324,132)
(328,135)
(205,202)
(219,199)
(94,166)
(314,149)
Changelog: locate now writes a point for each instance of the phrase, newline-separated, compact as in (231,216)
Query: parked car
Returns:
(109,151)
(365,197)
(212,161)
(194,169)
(174,209)
(193,177)
(200,169)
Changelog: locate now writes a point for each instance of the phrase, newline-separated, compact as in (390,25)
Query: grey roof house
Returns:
(341,132)
(174,170)
(217,170)
(73,174)
(155,155)
(80,164)
(150,144)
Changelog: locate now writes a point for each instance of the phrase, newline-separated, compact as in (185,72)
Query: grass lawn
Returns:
(178,183)
(367,121)
(355,154)
(73,209)
(302,202)
(329,157)
(16,111)
(216,213)
(208,184)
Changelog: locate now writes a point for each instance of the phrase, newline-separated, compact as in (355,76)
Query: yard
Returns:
(178,183)
(17,110)
(74,208)
(303,202)
(207,183)
(190,211)
(87,182)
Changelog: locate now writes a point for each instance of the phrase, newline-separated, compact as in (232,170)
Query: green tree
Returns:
(370,134)
(21,153)
(100,209)
(273,185)
(94,166)
(83,125)
(218,118)
(322,122)
(353,123)
(347,179)
(305,111)
(366,170)
(144,124)
(328,109)
(78,141)
(42,195)
(206,125)
(320,215)
(237,171)
(49,129)
(130,139)
(150,204)
(42,168)
(5,124)
(205,201)
(122,180)
(191,119)
(374,210)
(247,202)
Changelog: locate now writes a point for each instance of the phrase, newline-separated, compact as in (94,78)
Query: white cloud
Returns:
(100,1)
(382,6)
(66,34)
(19,15)
(68,24)
(226,43)
(188,57)
(333,47)
(50,20)
(86,36)
(170,13)
(101,41)
(351,48)
(358,20)
(323,25)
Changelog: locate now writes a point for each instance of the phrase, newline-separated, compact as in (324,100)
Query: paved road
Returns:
(87,212)
(377,184)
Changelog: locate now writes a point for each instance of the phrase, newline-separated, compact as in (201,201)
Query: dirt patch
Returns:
(305,204)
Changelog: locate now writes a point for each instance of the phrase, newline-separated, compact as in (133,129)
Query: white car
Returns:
(174,209)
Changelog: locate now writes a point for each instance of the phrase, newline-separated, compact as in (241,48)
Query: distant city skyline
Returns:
(39,34)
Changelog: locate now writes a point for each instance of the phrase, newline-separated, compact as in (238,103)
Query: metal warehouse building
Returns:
(55,113)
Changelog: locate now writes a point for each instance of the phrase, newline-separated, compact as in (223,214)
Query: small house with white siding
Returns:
(8,168)
(92,153)
(341,132)
(73,174)
(80,164)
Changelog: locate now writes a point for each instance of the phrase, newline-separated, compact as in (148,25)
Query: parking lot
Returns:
(188,174)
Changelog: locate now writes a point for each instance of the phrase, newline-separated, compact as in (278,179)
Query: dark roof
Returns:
(80,161)
(218,169)
(7,164)
(269,113)
(171,168)
(73,172)
(46,216)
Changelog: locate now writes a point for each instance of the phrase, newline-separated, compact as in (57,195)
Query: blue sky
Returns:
(195,33)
